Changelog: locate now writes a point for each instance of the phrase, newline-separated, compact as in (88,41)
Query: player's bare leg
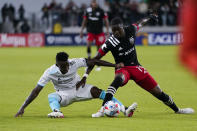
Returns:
(167,100)
(117,82)
(98,68)
(89,49)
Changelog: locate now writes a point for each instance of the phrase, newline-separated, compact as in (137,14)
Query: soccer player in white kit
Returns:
(65,79)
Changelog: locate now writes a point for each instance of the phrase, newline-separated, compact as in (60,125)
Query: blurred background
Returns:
(35,23)
(27,16)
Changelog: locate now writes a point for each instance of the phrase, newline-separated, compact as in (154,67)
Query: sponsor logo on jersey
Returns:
(93,18)
(120,54)
(127,52)
(72,63)
(97,13)
(64,80)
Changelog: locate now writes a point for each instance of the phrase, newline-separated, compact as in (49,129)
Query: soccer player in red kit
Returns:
(93,20)
(122,46)
(188,49)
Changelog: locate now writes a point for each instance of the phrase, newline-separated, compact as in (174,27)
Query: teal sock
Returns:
(54,100)
(102,96)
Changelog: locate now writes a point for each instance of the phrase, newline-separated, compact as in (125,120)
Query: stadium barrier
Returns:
(64,39)
(22,40)
(73,39)
(154,38)
(142,38)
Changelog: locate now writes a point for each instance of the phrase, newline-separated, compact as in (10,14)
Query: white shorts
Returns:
(72,95)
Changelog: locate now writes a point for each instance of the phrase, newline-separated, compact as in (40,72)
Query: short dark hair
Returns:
(62,56)
(116,21)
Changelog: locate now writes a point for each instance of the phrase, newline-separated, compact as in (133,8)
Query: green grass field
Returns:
(20,69)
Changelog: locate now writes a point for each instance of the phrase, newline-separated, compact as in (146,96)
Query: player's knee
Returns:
(118,81)
(95,92)
(54,97)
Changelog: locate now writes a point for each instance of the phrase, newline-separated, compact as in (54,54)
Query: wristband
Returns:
(85,75)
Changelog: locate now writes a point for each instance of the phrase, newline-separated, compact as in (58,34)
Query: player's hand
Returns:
(154,16)
(81,34)
(81,83)
(20,113)
(119,65)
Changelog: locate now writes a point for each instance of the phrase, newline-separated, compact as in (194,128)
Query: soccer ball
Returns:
(111,109)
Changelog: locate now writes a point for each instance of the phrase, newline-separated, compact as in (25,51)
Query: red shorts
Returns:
(99,38)
(139,75)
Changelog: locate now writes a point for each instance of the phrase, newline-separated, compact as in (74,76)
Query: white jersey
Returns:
(63,81)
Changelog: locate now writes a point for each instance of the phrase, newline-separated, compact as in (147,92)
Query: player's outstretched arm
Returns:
(153,17)
(88,70)
(84,22)
(107,27)
(92,62)
(31,97)
(90,67)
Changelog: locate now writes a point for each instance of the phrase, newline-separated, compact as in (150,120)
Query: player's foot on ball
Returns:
(185,111)
(130,110)
(56,114)
(100,113)
(98,69)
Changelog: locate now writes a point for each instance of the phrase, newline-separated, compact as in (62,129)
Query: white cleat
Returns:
(100,113)
(56,115)
(130,110)
(98,69)
(185,111)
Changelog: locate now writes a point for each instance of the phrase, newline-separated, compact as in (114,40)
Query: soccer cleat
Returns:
(98,68)
(56,114)
(185,111)
(130,110)
(100,113)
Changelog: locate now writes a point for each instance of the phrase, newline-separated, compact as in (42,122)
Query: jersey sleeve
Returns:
(44,79)
(104,48)
(85,15)
(104,14)
(79,62)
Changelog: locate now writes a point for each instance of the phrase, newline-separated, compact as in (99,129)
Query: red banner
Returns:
(22,40)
